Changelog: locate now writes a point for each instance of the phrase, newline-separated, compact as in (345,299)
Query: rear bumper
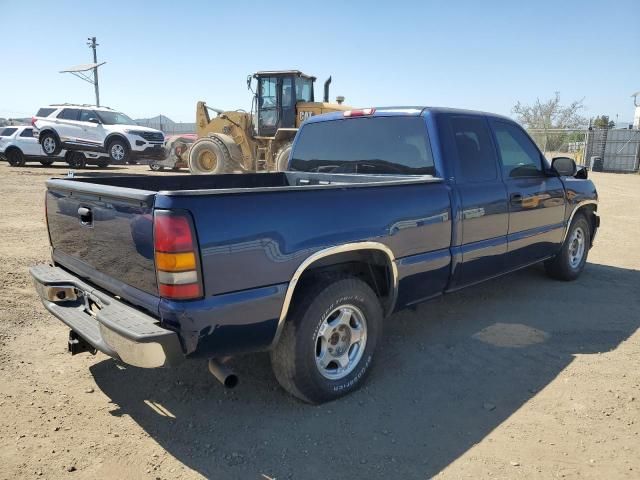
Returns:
(109,325)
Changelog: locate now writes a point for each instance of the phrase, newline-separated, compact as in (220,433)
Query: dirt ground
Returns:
(521,377)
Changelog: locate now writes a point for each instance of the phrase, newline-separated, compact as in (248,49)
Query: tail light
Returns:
(33,121)
(176,254)
(361,112)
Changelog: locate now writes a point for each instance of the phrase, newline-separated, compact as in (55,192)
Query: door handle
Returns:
(86,216)
(516,198)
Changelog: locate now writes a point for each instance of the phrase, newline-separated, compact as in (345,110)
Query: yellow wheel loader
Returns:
(259,140)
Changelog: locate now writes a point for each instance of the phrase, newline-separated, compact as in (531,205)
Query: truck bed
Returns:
(266,222)
(231,183)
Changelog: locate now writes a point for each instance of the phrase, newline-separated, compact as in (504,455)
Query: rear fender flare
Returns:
(327,252)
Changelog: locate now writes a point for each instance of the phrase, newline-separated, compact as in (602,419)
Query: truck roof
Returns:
(411,111)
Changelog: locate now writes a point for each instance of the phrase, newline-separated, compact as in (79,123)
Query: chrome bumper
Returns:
(109,325)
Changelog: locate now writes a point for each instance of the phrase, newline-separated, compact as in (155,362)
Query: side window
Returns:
(69,114)
(287,92)
(85,115)
(476,155)
(518,154)
(7,132)
(27,133)
(45,112)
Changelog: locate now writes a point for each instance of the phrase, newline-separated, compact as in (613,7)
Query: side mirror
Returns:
(94,120)
(564,166)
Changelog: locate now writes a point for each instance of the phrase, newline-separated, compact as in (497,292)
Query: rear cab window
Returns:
(394,145)
(7,132)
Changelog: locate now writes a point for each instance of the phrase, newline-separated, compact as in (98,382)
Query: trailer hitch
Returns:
(77,344)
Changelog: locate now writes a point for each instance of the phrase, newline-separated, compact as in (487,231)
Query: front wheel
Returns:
(156,167)
(118,150)
(327,344)
(46,163)
(570,261)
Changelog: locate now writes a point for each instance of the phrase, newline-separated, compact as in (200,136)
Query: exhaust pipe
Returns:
(223,374)
(326,89)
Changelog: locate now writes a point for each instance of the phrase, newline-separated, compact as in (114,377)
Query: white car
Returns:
(98,129)
(19,145)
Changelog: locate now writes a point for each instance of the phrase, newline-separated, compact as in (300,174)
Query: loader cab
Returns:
(276,97)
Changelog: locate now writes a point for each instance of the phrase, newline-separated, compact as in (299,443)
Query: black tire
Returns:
(15,158)
(118,150)
(210,156)
(46,163)
(102,163)
(156,167)
(77,160)
(50,143)
(565,265)
(282,157)
(294,357)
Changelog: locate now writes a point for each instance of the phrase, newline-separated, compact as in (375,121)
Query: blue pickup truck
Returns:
(380,209)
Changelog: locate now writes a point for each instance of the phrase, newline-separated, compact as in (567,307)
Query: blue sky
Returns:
(164,56)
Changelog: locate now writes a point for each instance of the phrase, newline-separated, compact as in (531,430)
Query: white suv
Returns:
(97,129)
(18,146)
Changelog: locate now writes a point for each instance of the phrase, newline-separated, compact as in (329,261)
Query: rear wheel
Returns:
(77,160)
(571,259)
(156,167)
(50,143)
(46,163)
(15,158)
(327,344)
(102,163)
(210,156)
(118,150)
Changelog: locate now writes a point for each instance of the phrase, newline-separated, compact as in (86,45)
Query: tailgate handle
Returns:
(86,217)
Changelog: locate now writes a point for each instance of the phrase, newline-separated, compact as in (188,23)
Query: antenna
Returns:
(80,70)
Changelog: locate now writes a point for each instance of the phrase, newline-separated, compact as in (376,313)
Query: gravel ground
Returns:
(521,377)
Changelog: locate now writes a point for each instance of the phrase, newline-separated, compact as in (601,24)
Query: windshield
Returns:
(115,118)
(373,145)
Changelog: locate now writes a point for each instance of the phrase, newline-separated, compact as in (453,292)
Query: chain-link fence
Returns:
(601,149)
(169,128)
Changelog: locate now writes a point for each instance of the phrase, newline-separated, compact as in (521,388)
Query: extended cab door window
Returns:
(481,235)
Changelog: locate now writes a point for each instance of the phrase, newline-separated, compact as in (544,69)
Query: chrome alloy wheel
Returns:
(49,145)
(117,151)
(340,342)
(577,246)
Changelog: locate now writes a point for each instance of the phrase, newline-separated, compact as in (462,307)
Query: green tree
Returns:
(603,122)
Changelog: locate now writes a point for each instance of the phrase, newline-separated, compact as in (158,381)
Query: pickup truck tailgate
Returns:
(104,235)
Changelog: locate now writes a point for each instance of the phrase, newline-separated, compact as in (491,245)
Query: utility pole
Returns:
(81,71)
(92,44)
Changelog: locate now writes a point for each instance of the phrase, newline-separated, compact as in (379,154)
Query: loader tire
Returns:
(210,156)
(282,157)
